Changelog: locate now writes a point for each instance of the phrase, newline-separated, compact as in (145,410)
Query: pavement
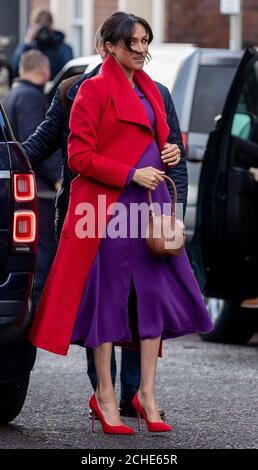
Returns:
(208,390)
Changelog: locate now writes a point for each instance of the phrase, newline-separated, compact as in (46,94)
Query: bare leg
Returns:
(105,392)
(146,394)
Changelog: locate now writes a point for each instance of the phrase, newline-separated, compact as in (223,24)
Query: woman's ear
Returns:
(110,48)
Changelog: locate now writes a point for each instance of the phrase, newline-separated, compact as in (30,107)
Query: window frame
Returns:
(77,28)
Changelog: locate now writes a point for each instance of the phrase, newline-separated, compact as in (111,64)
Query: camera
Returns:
(43,34)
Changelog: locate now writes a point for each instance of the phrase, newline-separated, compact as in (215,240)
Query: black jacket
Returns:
(57,51)
(53,134)
(26,107)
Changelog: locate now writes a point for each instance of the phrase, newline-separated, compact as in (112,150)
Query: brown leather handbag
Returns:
(165,233)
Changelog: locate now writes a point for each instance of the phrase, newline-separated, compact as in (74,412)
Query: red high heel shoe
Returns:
(107,428)
(159,426)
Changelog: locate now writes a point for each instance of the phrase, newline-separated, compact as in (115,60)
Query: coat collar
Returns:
(128,105)
(21,81)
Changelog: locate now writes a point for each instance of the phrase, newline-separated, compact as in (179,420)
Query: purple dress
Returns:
(168,299)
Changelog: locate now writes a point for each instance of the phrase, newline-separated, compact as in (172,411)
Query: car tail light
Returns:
(184,138)
(24,187)
(24,227)
(250,303)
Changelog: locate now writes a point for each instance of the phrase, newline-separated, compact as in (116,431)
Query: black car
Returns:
(18,244)
(224,249)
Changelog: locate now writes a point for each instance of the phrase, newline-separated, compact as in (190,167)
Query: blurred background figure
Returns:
(5,71)
(26,106)
(43,37)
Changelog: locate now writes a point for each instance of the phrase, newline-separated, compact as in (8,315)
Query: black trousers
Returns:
(47,245)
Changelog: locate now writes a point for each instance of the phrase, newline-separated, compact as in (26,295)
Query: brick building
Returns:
(201,23)
(189,21)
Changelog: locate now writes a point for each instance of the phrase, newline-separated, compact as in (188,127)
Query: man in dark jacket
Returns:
(52,134)
(43,37)
(26,106)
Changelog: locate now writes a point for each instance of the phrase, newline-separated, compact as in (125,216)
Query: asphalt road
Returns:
(209,392)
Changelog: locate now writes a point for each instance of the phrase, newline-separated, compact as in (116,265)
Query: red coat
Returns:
(110,131)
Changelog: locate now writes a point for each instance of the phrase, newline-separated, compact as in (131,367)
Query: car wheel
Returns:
(233,324)
(12,397)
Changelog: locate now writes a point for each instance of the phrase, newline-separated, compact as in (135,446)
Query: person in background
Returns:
(42,36)
(26,106)
(53,134)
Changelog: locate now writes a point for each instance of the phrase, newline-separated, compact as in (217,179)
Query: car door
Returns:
(224,249)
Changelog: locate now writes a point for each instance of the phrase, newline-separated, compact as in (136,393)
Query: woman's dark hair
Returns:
(120,27)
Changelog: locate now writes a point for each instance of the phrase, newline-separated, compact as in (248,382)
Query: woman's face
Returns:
(139,43)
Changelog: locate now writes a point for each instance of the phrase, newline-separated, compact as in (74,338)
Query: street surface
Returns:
(209,392)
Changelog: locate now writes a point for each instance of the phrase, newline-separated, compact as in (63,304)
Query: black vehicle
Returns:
(18,242)
(224,249)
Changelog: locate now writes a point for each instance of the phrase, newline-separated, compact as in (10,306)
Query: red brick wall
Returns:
(104,8)
(202,24)
(197,22)
(250,22)
(38,3)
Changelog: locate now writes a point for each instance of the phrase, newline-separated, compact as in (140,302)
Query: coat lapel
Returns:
(128,105)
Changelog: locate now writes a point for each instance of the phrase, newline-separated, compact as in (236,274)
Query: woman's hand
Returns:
(57,185)
(254,172)
(171,154)
(148,177)
(31,34)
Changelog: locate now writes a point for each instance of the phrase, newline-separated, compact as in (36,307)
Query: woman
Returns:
(118,132)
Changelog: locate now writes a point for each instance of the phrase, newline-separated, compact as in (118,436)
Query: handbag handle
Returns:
(175,196)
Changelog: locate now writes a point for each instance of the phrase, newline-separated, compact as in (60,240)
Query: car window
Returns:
(70,72)
(4,81)
(245,121)
(5,129)
(2,125)
(212,86)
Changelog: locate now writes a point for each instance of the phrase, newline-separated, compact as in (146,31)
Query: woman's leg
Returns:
(146,394)
(91,371)
(105,392)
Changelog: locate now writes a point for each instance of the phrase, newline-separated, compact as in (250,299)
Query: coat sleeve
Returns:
(83,155)
(179,172)
(30,112)
(50,169)
(47,138)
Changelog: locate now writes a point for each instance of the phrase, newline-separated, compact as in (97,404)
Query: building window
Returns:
(77,26)
(78,8)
